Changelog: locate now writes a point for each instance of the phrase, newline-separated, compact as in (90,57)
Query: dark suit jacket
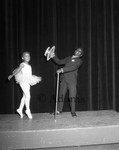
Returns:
(70,68)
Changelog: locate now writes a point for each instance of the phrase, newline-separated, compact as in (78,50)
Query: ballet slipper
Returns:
(28,113)
(20,113)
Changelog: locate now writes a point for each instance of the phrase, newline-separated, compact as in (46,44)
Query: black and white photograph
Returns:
(59,75)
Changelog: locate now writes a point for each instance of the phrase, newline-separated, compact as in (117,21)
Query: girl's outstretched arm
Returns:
(16,71)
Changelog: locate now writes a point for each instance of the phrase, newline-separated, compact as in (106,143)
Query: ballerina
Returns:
(23,77)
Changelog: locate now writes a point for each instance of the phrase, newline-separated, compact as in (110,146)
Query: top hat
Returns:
(49,53)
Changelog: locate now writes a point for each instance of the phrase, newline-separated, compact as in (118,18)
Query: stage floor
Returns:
(88,128)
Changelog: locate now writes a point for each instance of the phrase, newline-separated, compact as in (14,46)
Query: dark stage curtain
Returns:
(33,25)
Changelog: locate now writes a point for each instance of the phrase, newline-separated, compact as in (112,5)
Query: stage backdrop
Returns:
(33,25)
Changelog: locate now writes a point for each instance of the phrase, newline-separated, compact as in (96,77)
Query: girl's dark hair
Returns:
(25,53)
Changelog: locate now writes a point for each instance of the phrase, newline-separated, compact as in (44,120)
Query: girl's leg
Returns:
(20,109)
(26,90)
(22,103)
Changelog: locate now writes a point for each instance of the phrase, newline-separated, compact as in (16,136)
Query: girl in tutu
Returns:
(23,77)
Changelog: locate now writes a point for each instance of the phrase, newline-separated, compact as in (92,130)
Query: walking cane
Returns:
(57,91)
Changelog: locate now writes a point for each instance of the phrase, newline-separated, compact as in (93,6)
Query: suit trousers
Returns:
(64,87)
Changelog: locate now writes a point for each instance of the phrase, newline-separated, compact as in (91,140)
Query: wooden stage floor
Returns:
(88,128)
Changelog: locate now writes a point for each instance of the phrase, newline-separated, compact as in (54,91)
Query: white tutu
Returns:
(32,79)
